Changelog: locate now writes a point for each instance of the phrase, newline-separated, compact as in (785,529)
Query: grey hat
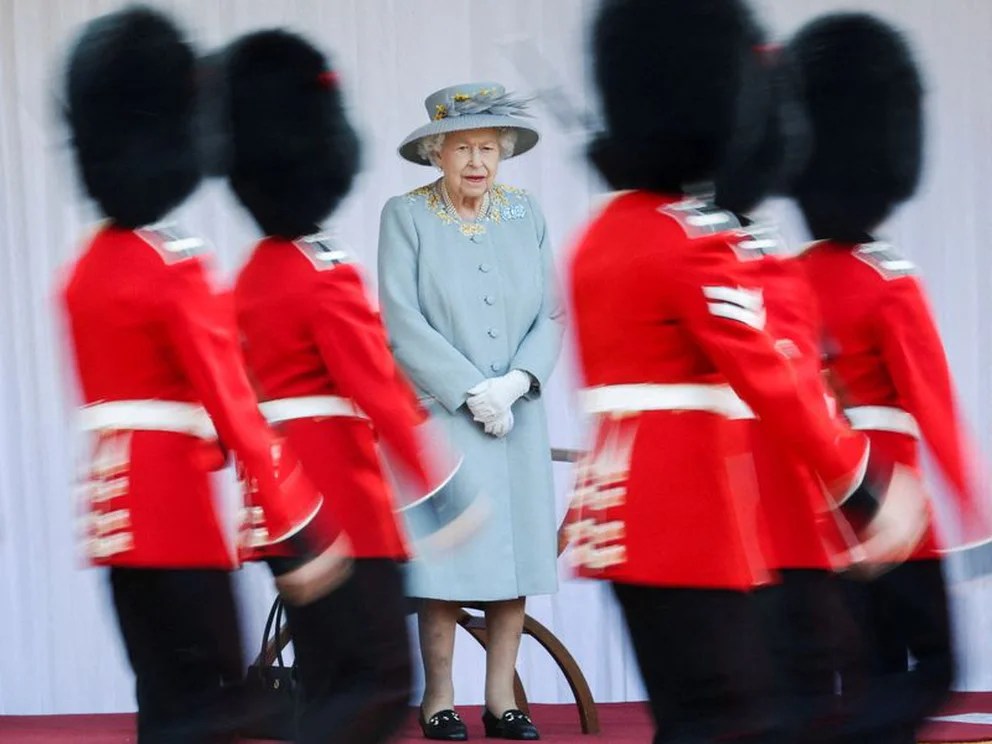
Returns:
(471,106)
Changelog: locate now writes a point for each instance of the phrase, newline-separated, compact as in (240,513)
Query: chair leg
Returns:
(588,715)
(519,694)
(476,627)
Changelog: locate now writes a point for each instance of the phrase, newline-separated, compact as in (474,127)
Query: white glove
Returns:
(491,399)
(501,426)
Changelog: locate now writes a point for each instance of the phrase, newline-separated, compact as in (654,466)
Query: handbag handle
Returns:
(277,633)
(273,628)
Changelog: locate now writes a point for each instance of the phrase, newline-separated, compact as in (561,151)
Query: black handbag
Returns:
(272,690)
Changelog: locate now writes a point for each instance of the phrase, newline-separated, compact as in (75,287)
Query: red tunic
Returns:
(802,526)
(308,330)
(883,350)
(663,298)
(155,347)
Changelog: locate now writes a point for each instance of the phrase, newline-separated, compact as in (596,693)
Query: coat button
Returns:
(494,367)
(484,268)
(476,238)
(489,300)
(493,333)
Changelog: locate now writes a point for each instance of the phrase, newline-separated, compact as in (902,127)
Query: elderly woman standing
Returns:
(467,288)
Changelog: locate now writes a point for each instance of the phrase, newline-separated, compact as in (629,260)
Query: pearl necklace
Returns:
(450,205)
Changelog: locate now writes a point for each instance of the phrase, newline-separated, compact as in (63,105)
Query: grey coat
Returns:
(464,301)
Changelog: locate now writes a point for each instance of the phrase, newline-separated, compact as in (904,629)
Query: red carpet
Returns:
(962,704)
(621,724)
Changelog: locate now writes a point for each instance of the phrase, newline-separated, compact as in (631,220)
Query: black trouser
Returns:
(702,657)
(814,642)
(902,612)
(353,655)
(180,628)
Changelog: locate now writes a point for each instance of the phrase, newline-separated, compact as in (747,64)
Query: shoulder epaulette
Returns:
(884,259)
(757,240)
(172,245)
(323,251)
(699,219)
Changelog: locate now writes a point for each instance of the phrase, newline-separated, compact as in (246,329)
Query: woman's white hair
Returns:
(429,148)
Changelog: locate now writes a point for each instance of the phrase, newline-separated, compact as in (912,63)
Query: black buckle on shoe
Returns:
(512,724)
(444,716)
(514,715)
(445,725)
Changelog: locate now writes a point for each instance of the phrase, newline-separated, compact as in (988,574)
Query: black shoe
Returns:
(513,724)
(445,725)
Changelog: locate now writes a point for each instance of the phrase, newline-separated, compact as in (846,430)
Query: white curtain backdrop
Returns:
(60,651)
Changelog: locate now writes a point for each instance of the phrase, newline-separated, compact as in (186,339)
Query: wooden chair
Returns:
(475,625)
(588,714)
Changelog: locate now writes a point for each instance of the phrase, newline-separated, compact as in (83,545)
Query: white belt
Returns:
(882,418)
(148,415)
(309,406)
(718,399)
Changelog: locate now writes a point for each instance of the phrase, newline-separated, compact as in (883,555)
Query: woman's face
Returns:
(469,161)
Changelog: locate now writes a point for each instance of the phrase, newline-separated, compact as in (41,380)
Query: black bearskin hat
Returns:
(130,103)
(864,99)
(772,163)
(293,155)
(686,96)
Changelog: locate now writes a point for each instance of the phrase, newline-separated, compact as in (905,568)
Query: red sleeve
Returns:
(353,345)
(721,302)
(200,326)
(914,356)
